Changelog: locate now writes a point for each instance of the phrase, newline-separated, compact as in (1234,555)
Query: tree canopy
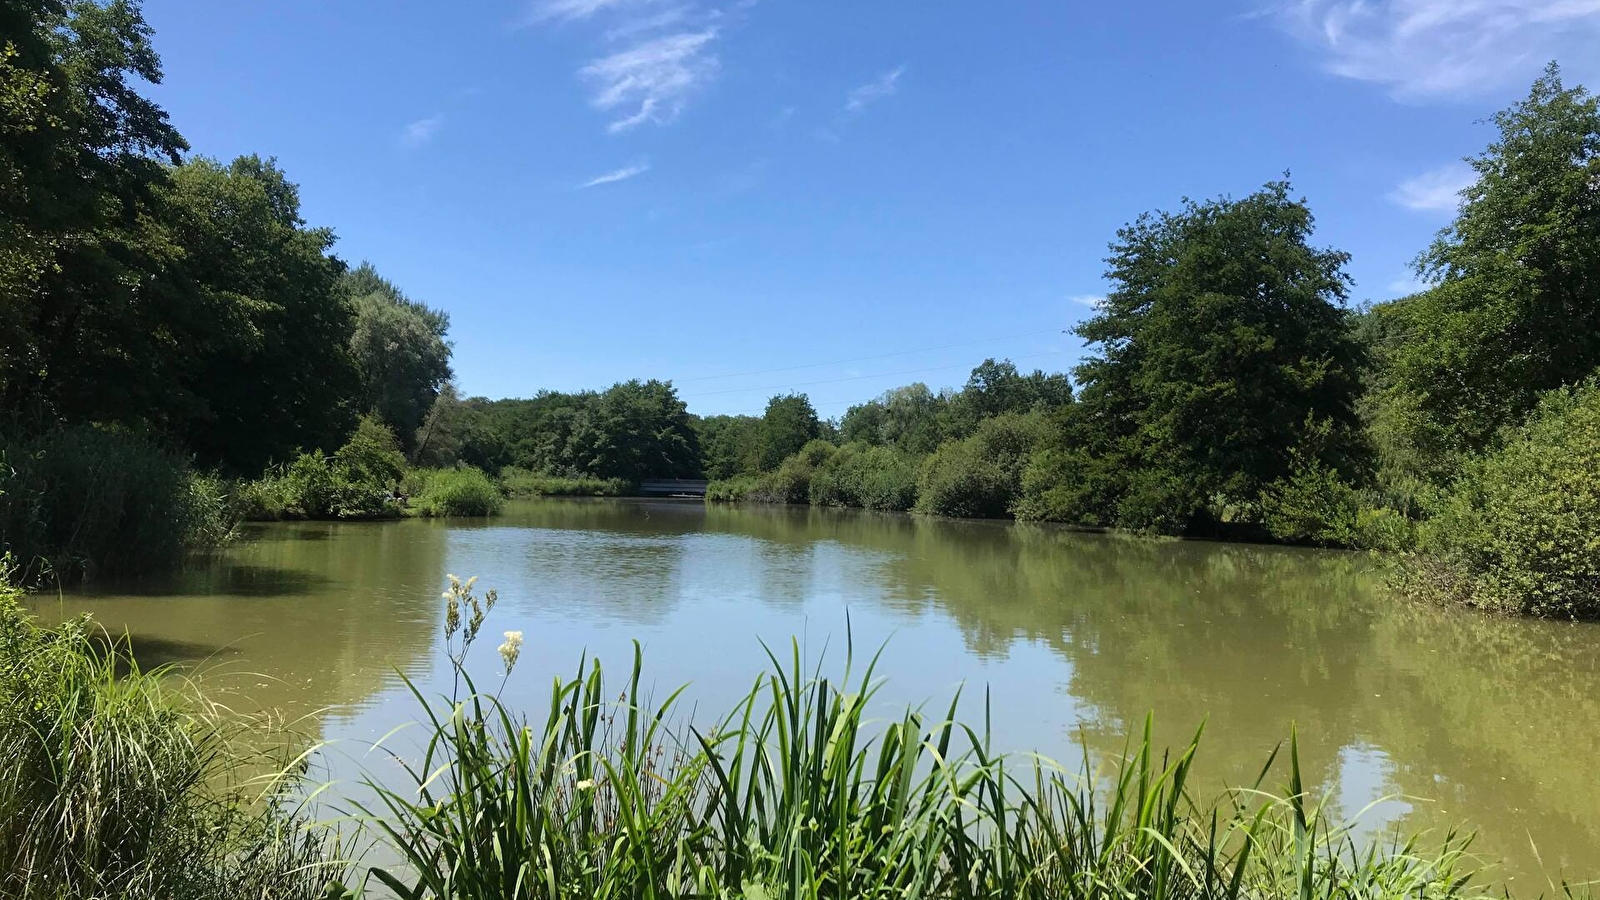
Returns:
(1515,310)
(1223,348)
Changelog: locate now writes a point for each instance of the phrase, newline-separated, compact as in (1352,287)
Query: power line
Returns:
(839,362)
(777,387)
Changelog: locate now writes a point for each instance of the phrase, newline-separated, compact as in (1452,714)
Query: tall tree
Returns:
(400,350)
(1516,308)
(730,444)
(443,431)
(81,156)
(788,423)
(636,430)
(273,371)
(1223,349)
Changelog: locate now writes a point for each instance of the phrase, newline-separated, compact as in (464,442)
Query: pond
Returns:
(1435,717)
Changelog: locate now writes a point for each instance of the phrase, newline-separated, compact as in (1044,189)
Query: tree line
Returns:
(1231,390)
(167,311)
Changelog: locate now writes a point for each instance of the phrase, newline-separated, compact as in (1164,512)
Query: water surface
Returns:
(1074,636)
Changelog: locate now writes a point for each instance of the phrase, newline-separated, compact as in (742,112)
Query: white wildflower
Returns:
(510,649)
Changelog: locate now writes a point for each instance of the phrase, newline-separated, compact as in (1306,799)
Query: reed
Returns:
(118,782)
(798,793)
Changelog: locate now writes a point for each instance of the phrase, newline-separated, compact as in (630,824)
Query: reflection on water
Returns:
(1428,717)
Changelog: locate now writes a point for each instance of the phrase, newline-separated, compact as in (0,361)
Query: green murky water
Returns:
(1452,717)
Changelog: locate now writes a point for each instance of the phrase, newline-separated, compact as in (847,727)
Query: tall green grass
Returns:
(116,782)
(462,491)
(84,502)
(799,793)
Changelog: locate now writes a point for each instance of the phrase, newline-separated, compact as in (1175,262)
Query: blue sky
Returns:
(839,197)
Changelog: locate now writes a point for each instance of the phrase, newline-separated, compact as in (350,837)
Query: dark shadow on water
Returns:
(151,652)
(215,579)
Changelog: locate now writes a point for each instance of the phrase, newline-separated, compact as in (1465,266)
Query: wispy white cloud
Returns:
(622,174)
(650,82)
(421,131)
(658,53)
(1421,48)
(1093,301)
(567,10)
(884,85)
(671,17)
(1438,190)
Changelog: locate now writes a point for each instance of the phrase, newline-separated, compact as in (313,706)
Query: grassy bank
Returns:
(123,783)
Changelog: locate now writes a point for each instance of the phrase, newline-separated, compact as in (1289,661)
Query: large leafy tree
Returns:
(269,369)
(81,159)
(1224,354)
(400,351)
(790,421)
(636,430)
(1516,308)
(997,388)
(730,445)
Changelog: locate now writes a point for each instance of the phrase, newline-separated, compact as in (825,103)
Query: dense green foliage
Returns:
(1223,343)
(463,491)
(868,477)
(788,424)
(1516,310)
(271,374)
(522,483)
(631,431)
(79,502)
(1520,531)
(181,299)
(356,482)
(980,476)
(917,421)
(123,783)
(728,445)
(399,349)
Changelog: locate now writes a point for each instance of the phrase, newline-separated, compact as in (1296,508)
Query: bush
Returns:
(789,483)
(979,476)
(123,783)
(732,490)
(868,477)
(83,502)
(1312,506)
(1384,528)
(317,487)
(1062,483)
(524,483)
(357,482)
(457,492)
(1520,530)
(372,455)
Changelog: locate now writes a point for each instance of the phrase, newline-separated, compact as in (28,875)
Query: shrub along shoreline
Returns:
(794,792)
